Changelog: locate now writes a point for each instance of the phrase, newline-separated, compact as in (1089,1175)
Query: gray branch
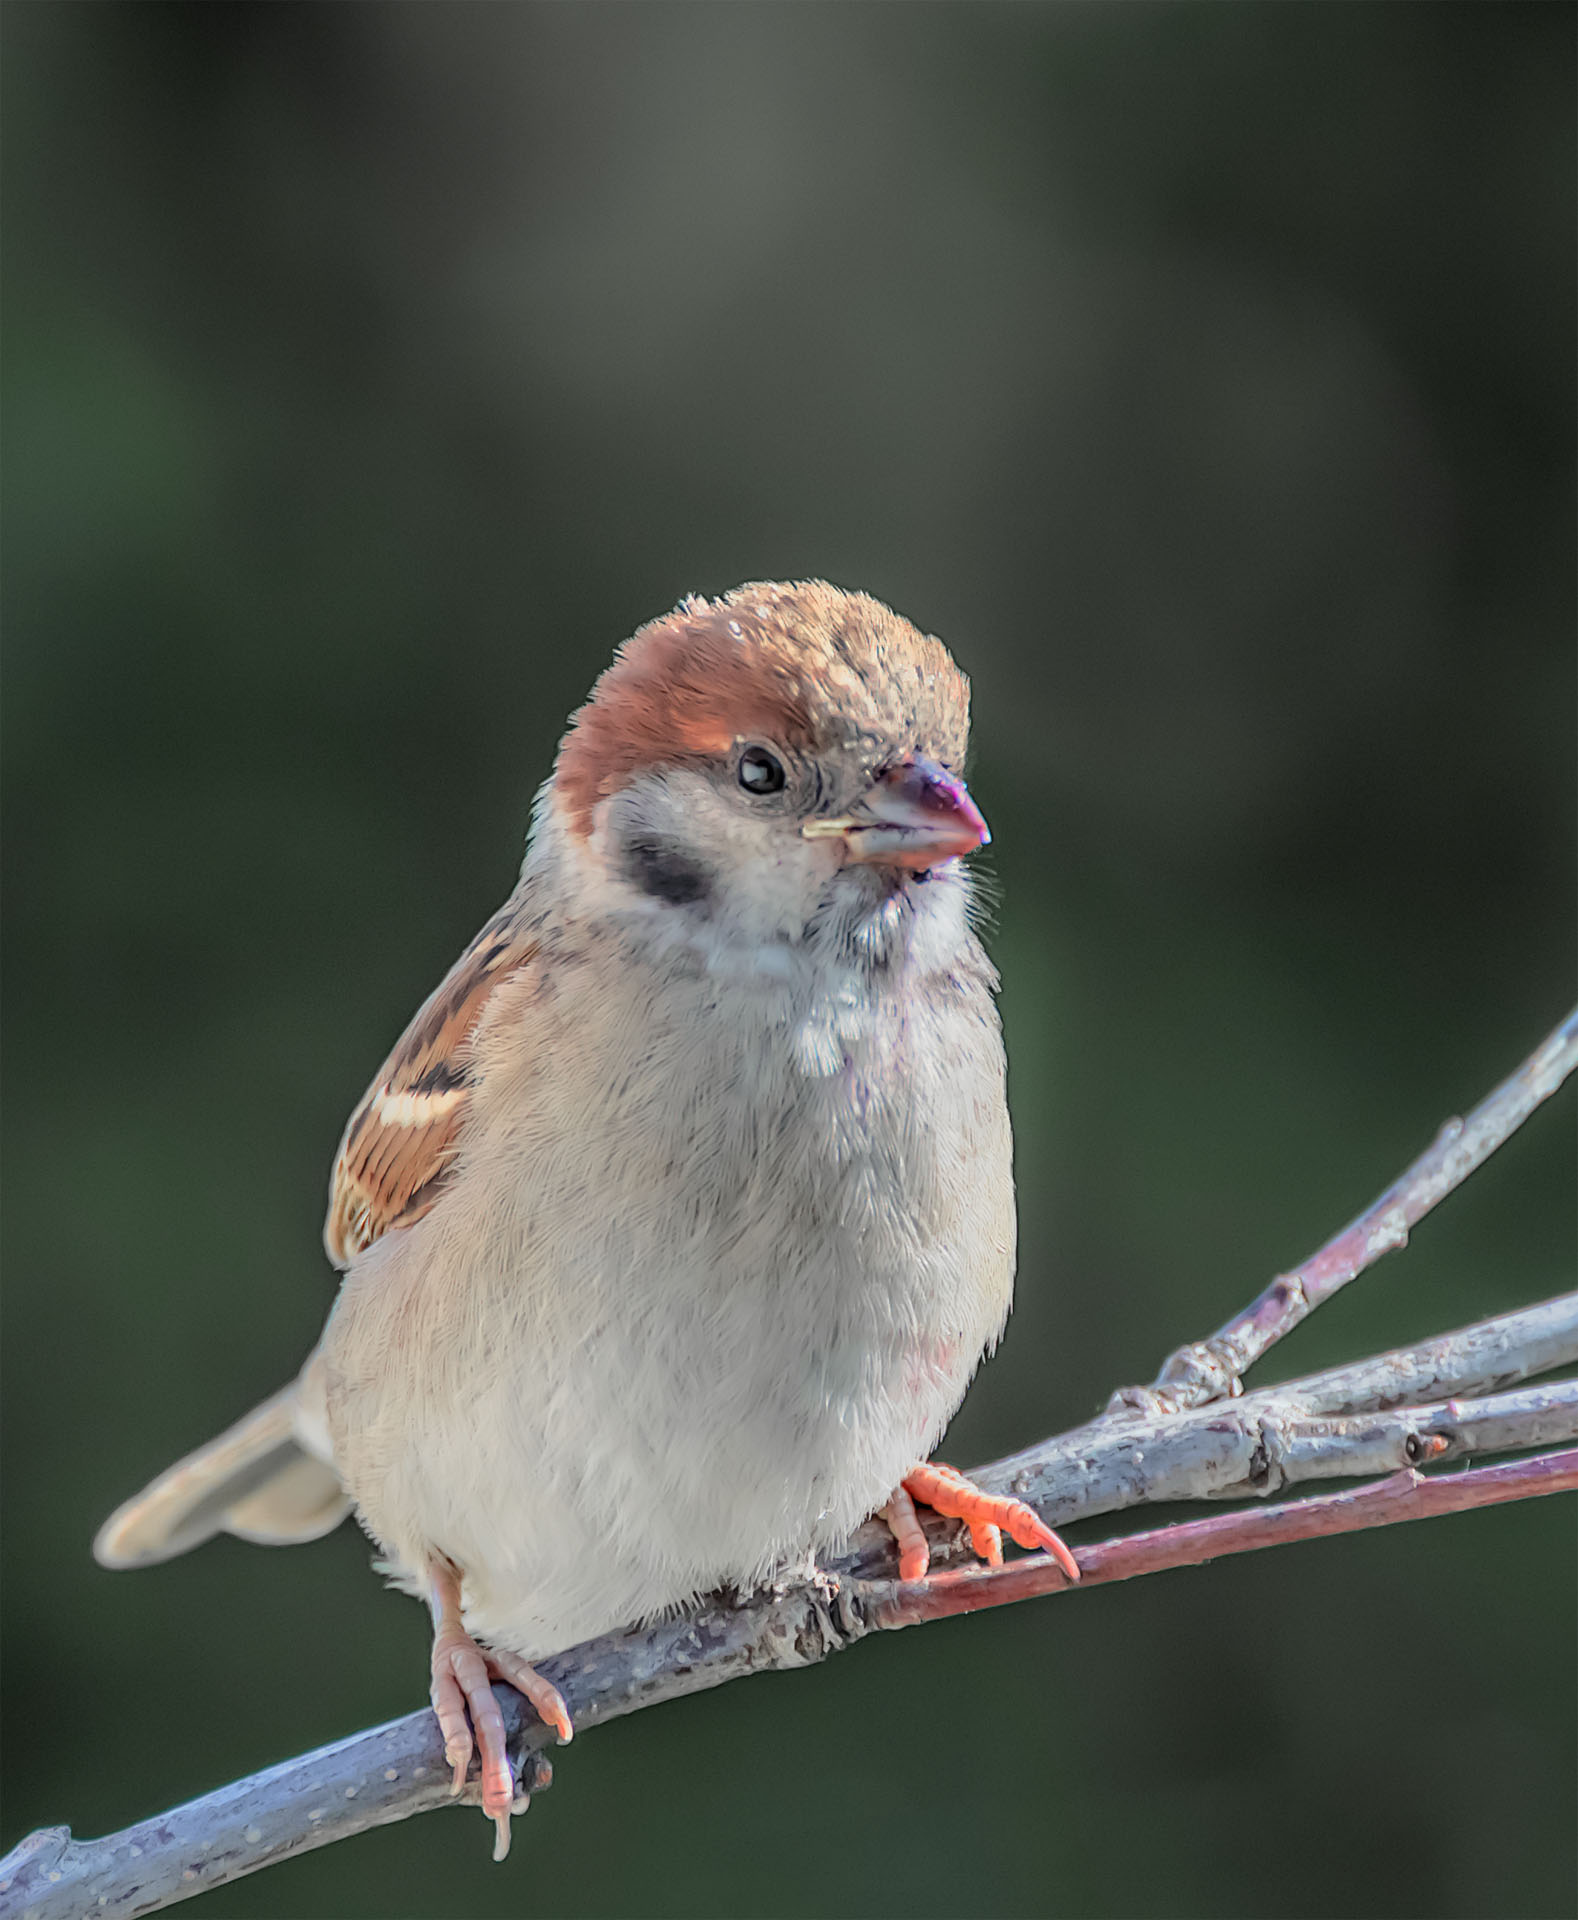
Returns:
(1431,1402)
(1264,1441)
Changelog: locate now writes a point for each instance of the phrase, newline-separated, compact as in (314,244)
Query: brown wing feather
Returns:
(399,1146)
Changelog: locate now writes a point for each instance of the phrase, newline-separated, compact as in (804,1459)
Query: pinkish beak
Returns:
(916,816)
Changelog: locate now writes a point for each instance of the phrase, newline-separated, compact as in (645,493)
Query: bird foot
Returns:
(988,1515)
(462,1696)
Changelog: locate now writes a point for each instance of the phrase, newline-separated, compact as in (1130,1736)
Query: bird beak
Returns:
(915,816)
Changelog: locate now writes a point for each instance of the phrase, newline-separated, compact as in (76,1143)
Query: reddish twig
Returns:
(1408,1495)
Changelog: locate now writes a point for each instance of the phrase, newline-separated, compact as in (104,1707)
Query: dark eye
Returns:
(761,771)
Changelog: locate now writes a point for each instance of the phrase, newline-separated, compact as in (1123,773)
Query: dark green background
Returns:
(1204,375)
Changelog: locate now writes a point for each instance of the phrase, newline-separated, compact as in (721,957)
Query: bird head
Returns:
(768,763)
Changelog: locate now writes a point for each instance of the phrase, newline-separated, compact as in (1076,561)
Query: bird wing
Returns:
(399,1146)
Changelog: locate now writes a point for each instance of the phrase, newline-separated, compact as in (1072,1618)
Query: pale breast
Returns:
(707,1288)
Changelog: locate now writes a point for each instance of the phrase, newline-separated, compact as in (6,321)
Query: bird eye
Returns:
(761,771)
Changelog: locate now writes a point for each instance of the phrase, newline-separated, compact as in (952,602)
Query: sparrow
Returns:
(676,1223)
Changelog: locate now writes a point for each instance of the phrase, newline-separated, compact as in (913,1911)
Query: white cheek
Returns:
(764,877)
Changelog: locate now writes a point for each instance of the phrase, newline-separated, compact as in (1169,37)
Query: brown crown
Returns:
(800,664)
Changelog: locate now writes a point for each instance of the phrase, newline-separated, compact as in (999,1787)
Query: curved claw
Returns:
(986,1542)
(948,1492)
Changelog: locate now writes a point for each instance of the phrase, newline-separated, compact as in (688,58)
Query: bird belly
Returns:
(729,1360)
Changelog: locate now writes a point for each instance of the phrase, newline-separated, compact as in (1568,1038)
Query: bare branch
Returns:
(398,1769)
(1341,1447)
(1440,1398)
(1212,1369)
(1483,1358)
(1264,1441)
(391,1772)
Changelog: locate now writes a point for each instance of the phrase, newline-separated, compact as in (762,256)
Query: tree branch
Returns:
(395,1770)
(1312,1428)
(1167,1442)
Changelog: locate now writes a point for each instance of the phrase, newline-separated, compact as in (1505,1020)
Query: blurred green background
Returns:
(1204,374)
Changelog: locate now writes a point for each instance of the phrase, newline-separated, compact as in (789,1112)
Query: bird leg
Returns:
(463,1676)
(988,1515)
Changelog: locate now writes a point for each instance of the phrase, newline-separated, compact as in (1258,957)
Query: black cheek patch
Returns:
(659,868)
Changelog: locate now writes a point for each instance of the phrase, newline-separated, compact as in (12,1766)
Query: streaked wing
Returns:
(399,1147)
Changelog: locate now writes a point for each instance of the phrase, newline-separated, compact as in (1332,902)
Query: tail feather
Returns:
(256,1480)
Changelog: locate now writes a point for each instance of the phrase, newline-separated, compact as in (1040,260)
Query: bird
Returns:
(675,1225)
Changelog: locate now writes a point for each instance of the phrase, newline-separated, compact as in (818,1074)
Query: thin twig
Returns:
(1344,1446)
(1213,1369)
(1484,1358)
(1258,1444)
(1266,1442)
(1406,1495)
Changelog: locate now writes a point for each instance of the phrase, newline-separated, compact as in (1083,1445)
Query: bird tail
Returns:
(261,1480)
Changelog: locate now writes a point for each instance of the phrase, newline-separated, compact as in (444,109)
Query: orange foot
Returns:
(463,1676)
(989,1516)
